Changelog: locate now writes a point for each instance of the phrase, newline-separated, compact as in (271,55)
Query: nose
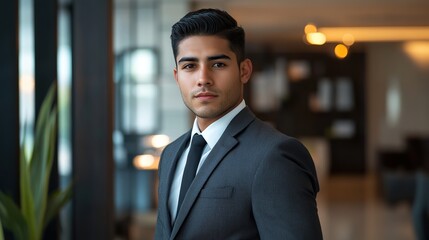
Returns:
(204,77)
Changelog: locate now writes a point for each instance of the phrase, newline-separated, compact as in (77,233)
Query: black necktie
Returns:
(194,156)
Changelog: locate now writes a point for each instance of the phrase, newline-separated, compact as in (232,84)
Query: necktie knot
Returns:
(198,142)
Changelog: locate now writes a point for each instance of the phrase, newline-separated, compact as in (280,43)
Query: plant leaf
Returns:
(29,222)
(27,203)
(12,218)
(40,162)
(1,231)
(42,158)
(56,201)
(50,143)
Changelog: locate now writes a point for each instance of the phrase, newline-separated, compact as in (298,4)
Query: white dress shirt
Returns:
(212,135)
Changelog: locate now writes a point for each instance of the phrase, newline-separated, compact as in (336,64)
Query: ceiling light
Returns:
(376,34)
(341,51)
(348,39)
(316,38)
(418,51)
(310,28)
(146,162)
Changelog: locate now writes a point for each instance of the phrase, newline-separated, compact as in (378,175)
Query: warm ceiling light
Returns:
(310,28)
(157,141)
(418,51)
(376,34)
(341,51)
(146,162)
(316,38)
(348,39)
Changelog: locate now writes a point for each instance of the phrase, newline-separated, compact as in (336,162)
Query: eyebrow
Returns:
(220,56)
(210,58)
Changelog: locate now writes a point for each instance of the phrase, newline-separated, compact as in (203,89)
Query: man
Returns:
(252,182)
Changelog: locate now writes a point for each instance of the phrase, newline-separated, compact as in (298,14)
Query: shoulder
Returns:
(279,148)
(266,132)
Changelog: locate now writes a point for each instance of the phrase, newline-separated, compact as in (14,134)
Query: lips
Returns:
(205,95)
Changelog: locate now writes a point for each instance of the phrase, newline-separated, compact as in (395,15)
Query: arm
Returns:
(159,228)
(284,194)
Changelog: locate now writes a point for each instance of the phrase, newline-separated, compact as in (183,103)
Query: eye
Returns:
(219,65)
(188,66)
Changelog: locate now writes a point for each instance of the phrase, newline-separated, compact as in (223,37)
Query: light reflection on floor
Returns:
(351,208)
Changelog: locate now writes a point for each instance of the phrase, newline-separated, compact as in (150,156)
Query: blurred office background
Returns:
(350,79)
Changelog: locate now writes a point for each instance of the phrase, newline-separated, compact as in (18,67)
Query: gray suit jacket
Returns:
(256,183)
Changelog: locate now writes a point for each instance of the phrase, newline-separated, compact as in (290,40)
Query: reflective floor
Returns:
(350,208)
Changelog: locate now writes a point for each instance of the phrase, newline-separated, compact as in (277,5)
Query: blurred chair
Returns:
(396,176)
(421,206)
(420,150)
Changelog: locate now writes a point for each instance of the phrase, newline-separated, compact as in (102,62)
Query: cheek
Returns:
(185,87)
(185,79)
(182,87)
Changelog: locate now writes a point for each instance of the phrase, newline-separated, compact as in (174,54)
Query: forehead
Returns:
(204,46)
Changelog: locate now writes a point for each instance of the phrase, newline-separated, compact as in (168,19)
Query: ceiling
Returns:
(280,23)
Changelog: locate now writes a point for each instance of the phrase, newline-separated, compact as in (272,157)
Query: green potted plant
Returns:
(1,231)
(28,219)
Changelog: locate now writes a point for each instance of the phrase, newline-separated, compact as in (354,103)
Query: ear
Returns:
(175,73)
(246,68)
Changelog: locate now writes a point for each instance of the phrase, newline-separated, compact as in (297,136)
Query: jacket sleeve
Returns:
(284,194)
(159,228)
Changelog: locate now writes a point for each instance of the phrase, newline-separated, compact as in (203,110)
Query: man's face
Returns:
(209,78)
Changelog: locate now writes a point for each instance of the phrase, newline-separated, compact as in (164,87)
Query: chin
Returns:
(206,113)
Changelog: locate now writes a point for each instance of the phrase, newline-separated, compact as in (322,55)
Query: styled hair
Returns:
(207,22)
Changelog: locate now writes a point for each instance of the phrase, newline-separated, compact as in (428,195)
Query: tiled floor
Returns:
(350,208)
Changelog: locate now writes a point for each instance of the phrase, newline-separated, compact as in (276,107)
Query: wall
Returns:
(387,63)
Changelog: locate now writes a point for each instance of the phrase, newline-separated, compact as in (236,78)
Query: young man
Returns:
(251,181)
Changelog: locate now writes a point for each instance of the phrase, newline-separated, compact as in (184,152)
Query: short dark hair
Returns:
(205,22)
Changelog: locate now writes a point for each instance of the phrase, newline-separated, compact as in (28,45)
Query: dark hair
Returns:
(209,22)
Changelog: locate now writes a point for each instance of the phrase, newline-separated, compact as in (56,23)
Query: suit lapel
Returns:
(225,144)
(164,194)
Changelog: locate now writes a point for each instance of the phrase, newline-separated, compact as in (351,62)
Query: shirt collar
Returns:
(215,130)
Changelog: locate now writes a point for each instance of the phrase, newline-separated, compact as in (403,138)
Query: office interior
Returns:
(349,79)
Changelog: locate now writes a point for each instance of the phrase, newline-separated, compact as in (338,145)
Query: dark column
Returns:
(9,100)
(93,208)
(45,47)
(45,50)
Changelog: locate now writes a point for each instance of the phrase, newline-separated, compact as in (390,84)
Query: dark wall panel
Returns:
(45,52)
(9,100)
(92,120)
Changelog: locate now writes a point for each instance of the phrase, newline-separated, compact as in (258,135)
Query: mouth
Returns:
(205,95)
